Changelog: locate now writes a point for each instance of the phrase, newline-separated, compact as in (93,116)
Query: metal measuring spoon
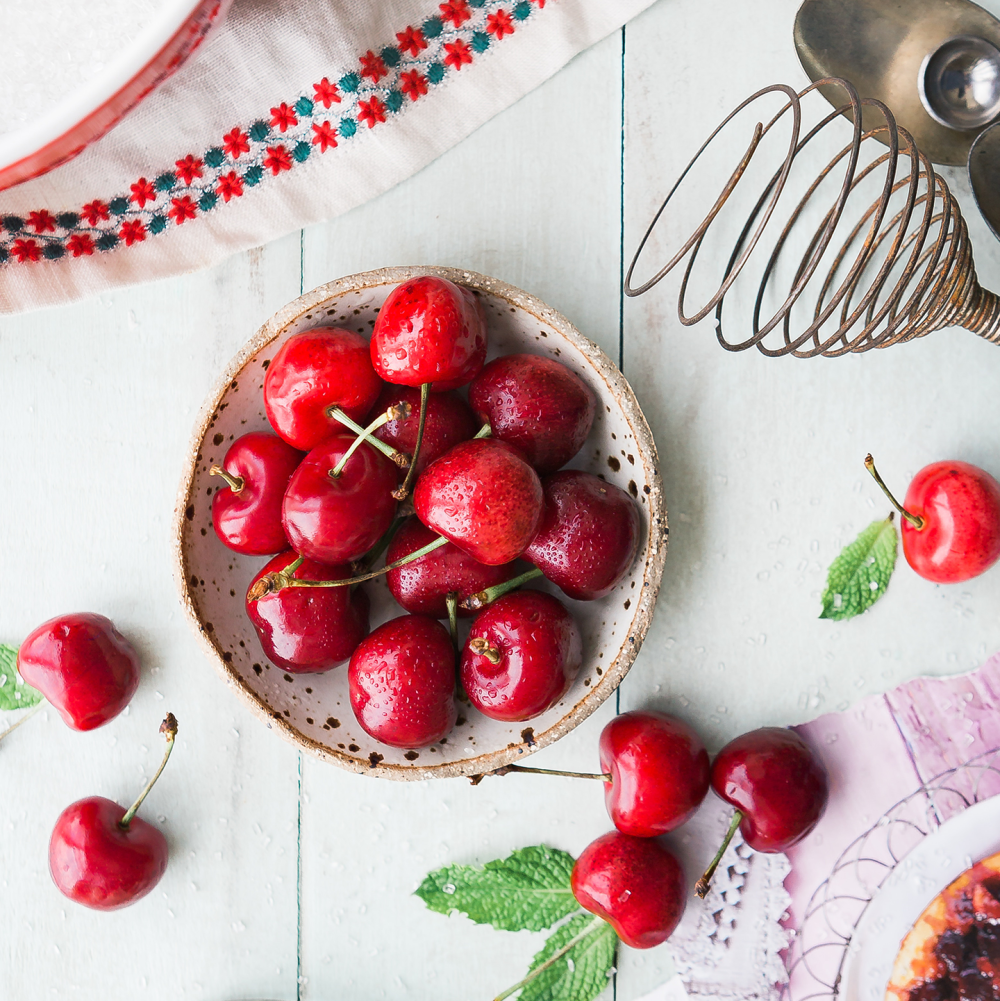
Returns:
(984,173)
(935,63)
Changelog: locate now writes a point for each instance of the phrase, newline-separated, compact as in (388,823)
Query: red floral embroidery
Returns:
(372,112)
(80,244)
(277,159)
(132,231)
(236,143)
(413,83)
(541,3)
(42,222)
(142,192)
(26,250)
(183,209)
(326,93)
(230,185)
(94,212)
(189,168)
(372,65)
(456,11)
(325,137)
(500,23)
(411,41)
(283,117)
(458,54)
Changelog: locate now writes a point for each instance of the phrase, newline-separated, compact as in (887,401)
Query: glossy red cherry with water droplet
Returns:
(588,536)
(246,510)
(482,496)
(429,330)
(83,666)
(635,884)
(336,519)
(659,772)
(402,682)
(309,629)
(313,371)
(521,656)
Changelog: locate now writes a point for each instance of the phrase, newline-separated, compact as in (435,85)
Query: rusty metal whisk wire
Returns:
(913,238)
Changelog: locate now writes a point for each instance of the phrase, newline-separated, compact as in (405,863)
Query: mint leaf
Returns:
(581,973)
(528,890)
(859,575)
(14,693)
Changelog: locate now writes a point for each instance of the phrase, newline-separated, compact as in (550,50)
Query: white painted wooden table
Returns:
(292,879)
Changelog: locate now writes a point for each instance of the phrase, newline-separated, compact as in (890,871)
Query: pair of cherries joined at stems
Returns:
(100,854)
(481,501)
(656,772)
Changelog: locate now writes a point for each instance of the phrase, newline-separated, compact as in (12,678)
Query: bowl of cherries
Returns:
(421,527)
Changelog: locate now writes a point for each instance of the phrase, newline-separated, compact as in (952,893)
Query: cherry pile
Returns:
(375,453)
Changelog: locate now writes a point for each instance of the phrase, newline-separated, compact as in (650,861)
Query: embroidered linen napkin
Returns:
(290,114)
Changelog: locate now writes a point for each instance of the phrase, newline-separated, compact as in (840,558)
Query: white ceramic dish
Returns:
(314,711)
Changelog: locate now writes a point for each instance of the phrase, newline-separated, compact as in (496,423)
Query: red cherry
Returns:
(423,586)
(537,404)
(246,512)
(429,330)
(104,856)
(308,629)
(313,371)
(483,497)
(337,519)
(588,536)
(83,666)
(402,682)
(959,505)
(776,781)
(449,421)
(635,884)
(659,772)
(522,654)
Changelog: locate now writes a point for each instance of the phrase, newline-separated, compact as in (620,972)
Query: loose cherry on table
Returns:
(778,786)
(521,656)
(635,884)
(537,404)
(104,856)
(950,520)
(588,536)
(339,500)
(246,512)
(402,682)
(314,371)
(307,630)
(483,497)
(83,666)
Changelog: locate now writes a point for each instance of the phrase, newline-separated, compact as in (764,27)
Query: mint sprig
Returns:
(859,576)
(14,693)
(530,890)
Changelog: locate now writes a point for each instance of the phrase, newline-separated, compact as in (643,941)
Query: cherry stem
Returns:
(914,519)
(371,557)
(169,729)
(451,601)
(554,958)
(484,432)
(504,769)
(481,645)
(235,483)
(364,435)
(38,707)
(403,491)
(398,411)
(272,582)
(701,887)
(481,599)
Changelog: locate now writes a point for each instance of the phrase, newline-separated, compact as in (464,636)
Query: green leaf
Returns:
(859,576)
(14,693)
(528,890)
(582,973)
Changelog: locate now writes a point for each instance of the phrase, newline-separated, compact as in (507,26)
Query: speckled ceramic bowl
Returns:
(313,710)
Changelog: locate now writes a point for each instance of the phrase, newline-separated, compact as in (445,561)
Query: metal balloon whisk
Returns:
(901,270)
